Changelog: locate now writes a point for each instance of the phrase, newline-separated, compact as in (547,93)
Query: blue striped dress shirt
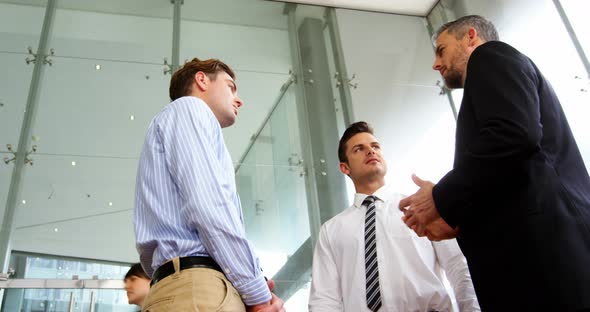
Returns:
(186,203)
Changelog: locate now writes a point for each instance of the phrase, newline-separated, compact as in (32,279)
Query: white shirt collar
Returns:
(383,194)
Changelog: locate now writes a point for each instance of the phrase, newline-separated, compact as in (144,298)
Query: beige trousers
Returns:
(198,290)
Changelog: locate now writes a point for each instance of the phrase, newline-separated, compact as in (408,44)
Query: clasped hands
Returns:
(421,216)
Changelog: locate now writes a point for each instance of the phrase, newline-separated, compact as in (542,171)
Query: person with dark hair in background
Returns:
(188,219)
(366,259)
(137,284)
(518,197)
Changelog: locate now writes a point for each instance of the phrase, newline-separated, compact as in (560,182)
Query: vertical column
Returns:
(321,116)
(7,230)
(326,190)
(310,181)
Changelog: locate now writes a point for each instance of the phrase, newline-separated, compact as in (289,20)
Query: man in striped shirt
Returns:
(188,219)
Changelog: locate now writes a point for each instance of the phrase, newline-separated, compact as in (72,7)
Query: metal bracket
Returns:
(167,67)
(582,88)
(340,81)
(295,161)
(259,207)
(5,276)
(33,59)
(443,88)
(27,159)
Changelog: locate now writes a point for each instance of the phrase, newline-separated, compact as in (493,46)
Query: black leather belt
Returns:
(167,268)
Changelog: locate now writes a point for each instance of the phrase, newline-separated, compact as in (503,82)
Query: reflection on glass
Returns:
(50,267)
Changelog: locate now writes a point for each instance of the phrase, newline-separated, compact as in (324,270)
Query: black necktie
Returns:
(371,269)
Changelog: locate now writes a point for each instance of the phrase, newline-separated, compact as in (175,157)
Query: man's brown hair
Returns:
(182,80)
(352,130)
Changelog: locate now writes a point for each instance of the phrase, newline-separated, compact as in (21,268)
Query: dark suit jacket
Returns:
(519,190)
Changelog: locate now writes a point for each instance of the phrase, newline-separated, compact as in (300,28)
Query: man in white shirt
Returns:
(367,259)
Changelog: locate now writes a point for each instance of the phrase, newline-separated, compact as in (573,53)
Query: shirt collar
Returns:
(383,194)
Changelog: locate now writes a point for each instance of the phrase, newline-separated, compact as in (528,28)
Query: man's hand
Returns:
(275,304)
(440,230)
(419,209)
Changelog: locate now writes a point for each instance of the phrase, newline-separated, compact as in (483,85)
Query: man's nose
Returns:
(436,65)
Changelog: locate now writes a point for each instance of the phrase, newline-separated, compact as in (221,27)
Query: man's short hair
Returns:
(182,80)
(485,29)
(352,130)
(136,270)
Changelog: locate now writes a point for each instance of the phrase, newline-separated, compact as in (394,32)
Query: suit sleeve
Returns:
(502,93)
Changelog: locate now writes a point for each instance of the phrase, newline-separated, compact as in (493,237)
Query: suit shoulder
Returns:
(497,53)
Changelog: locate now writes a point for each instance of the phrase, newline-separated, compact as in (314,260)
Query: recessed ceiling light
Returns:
(131,117)
(24,201)
(110,203)
(56,230)
(74,163)
(97,66)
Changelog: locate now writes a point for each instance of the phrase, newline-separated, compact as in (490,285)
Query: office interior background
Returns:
(80,81)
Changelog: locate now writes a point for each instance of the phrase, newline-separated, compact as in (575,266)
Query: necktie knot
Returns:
(369,200)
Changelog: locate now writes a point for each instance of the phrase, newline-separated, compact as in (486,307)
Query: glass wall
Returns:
(39,266)
(303,72)
(537,30)
(104,75)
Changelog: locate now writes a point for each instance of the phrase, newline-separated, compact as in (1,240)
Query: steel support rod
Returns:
(14,191)
(176,34)
(573,36)
(340,64)
(282,92)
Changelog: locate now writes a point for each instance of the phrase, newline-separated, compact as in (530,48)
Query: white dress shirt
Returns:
(410,267)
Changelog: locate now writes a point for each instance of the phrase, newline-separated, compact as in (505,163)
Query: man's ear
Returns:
(472,36)
(344,168)
(201,81)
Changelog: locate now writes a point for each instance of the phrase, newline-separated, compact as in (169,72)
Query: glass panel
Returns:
(575,10)
(91,123)
(398,95)
(51,267)
(526,24)
(106,30)
(20,28)
(272,188)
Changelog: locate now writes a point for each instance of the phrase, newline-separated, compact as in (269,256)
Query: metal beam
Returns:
(340,64)
(62,284)
(444,89)
(295,273)
(313,209)
(573,36)
(176,34)
(14,192)
(282,92)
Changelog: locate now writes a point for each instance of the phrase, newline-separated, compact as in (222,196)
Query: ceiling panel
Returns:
(407,7)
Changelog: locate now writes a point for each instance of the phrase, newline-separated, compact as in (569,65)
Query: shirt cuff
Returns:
(254,292)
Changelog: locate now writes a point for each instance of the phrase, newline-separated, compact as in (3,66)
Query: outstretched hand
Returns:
(419,209)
